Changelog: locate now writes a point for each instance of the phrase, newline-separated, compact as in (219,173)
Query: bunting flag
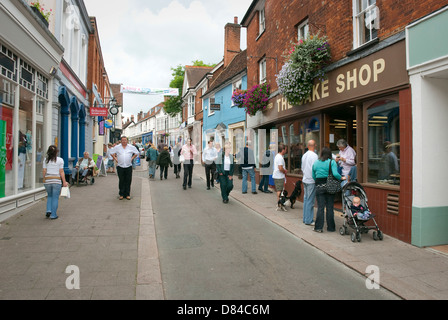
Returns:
(148,91)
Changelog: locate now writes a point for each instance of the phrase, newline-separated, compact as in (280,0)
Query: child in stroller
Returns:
(357,213)
(358,210)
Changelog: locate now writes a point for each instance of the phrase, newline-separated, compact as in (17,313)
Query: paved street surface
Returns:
(234,251)
(229,252)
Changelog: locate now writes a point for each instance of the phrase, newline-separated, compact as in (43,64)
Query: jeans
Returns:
(125,181)
(251,173)
(152,168)
(309,199)
(53,193)
(82,173)
(226,185)
(325,201)
(264,184)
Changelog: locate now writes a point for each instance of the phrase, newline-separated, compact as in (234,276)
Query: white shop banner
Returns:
(150,91)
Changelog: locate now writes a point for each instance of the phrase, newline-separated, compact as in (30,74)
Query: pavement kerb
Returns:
(326,244)
(149,276)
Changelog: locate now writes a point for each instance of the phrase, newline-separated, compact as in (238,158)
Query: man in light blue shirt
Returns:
(309,198)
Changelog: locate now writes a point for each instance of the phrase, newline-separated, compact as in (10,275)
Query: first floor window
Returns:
(263,71)
(366,21)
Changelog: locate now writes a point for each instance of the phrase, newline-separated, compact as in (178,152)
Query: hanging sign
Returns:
(150,91)
(99,112)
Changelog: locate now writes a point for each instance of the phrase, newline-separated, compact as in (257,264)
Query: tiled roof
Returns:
(196,74)
(238,65)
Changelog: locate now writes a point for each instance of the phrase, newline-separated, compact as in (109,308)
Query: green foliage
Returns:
(173,106)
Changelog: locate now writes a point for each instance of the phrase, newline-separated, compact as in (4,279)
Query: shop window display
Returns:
(296,136)
(384,143)
(25,150)
(7,99)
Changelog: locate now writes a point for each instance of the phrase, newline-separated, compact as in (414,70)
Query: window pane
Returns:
(6,138)
(40,140)
(25,140)
(384,143)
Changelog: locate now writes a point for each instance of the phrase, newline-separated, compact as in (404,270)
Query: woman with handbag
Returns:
(225,169)
(54,180)
(325,172)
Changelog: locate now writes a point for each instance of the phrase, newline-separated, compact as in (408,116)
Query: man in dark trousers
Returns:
(124,154)
(246,159)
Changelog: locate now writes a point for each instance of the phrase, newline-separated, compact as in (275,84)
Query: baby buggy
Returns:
(349,192)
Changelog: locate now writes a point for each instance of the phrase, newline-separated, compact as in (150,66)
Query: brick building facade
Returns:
(366,97)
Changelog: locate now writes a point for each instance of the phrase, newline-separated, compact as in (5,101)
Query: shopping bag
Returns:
(65,192)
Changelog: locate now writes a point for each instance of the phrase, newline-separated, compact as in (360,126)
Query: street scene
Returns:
(257,150)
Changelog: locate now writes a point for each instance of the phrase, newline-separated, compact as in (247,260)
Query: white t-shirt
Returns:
(124,156)
(308,161)
(53,169)
(279,161)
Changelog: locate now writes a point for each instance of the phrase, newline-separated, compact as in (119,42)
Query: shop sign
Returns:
(215,107)
(383,70)
(99,112)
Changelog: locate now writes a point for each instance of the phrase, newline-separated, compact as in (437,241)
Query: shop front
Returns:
(428,69)
(365,101)
(28,55)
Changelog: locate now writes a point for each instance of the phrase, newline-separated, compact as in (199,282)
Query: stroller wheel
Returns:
(375,236)
(342,231)
(353,237)
(380,235)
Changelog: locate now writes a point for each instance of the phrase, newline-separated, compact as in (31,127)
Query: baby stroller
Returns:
(349,192)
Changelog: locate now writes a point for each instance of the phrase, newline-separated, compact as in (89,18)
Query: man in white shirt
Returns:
(280,171)
(309,198)
(124,155)
(209,157)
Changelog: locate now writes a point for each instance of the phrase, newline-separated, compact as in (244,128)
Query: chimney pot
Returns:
(236,20)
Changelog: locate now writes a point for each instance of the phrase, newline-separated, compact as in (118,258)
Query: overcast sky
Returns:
(142,40)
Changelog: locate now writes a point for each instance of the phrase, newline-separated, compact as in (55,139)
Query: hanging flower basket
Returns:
(238,98)
(305,62)
(257,99)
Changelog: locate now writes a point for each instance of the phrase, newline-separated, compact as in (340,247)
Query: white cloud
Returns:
(142,40)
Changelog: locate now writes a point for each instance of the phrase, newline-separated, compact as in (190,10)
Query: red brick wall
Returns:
(331,18)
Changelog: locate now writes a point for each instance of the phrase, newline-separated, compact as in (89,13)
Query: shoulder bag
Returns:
(333,185)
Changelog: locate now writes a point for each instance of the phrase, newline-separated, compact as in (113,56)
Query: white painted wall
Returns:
(430,140)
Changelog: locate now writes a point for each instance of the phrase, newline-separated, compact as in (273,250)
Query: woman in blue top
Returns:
(321,169)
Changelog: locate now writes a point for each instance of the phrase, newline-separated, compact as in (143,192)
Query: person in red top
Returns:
(189,151)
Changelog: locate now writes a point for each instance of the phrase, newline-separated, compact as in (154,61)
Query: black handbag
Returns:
(333,185)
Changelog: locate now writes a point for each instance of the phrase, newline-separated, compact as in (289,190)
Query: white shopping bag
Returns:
(65,192)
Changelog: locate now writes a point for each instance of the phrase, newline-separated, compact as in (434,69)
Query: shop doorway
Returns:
(340,123)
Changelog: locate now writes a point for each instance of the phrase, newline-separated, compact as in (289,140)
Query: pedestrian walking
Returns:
(176,160)
(246,159)
(218,150)
(110,159)
(309,198)
(54,180)
(280,171)
(164,161)
(225,170)
(151,157)
(209,157)
(321,170)
(189,151)
(124,155)
(266,170)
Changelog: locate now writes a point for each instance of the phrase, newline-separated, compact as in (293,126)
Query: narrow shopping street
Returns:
(170,244)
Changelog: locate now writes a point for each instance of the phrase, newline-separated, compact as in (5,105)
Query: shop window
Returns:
(384,143)
(6,138)
(24,181)
(296,136)
(40,140)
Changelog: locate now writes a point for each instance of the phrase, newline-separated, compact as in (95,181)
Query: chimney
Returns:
(132,118)
(232,44)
